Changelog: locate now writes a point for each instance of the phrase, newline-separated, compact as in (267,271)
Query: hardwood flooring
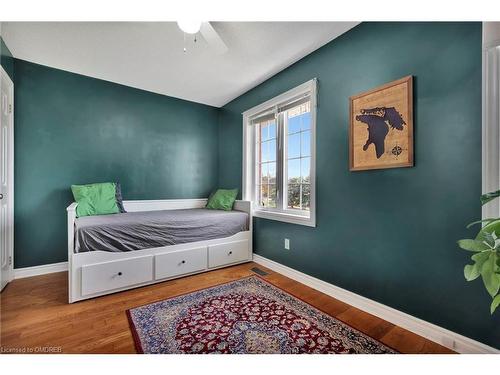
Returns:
(35,314)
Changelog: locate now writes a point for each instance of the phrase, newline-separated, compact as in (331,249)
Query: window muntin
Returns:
(297,125)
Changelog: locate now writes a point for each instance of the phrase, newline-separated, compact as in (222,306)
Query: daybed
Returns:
(146,245)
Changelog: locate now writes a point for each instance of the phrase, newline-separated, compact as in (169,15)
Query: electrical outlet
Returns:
(287,244)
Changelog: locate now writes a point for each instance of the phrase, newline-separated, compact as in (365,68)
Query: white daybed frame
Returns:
(97,273)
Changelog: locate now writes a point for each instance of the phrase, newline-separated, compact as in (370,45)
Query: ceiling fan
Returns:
(208,33)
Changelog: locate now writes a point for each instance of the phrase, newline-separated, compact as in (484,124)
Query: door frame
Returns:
(491,126)
(10,160)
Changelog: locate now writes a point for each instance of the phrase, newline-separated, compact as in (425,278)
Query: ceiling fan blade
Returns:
(213,38)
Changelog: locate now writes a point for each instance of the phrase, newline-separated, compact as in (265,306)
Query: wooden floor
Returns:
(35,314)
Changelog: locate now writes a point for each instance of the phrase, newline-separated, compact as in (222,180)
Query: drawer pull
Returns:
(228,253)
(108,276)
(183,262)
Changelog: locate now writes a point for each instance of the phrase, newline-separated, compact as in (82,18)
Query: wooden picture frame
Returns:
(381,127)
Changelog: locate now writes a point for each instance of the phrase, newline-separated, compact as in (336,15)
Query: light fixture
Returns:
(189,26)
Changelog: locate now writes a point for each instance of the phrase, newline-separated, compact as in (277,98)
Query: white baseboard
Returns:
(442,336)
(20,273)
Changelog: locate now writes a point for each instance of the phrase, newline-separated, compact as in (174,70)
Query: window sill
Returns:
(286,217)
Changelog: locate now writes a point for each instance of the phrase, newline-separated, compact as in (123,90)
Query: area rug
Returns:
(246,316)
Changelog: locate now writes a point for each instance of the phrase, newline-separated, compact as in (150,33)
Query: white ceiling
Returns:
(149,55)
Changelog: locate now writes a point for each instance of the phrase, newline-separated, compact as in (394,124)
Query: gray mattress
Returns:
(142,230)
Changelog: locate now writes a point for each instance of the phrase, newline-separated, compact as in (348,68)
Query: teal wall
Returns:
(389,235)
(72,129)
(6,59)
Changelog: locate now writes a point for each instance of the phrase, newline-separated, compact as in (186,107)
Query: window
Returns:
(279,157)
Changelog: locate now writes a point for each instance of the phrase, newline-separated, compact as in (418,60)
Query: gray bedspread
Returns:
(142,230)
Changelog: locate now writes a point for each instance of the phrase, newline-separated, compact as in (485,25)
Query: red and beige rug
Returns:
(244,316)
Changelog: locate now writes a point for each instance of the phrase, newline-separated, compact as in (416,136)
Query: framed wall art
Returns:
(381,127)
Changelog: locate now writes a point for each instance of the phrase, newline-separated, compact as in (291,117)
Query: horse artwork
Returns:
(381,127)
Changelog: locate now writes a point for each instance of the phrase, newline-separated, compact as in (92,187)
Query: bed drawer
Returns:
(180,262)
(227,253)
(114,275)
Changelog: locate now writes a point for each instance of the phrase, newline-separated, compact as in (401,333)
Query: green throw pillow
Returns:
(222,199)
(95,199)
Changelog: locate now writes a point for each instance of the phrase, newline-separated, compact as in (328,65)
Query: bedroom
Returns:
(249,187)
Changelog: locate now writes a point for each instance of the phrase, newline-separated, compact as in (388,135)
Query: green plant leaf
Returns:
(491,279)
(481,221)
(491,226)
(480,258)
(495,303)
(485,198)
(471,272)
(497,241)
(489,241)
(472,245)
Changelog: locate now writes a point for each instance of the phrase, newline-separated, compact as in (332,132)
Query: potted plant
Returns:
(486,257)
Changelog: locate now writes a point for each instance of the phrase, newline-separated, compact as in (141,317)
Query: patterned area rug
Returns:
(244,316)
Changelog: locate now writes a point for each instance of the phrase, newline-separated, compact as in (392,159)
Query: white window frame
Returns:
(249,151)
